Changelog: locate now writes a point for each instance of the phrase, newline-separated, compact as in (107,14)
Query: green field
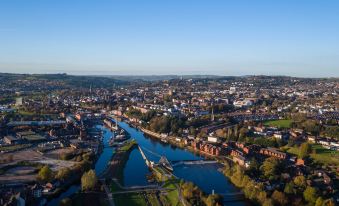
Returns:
(128,146)
(282,123)
(321,155)
(172,196)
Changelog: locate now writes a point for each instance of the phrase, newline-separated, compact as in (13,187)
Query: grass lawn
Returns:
(321,155)
(127,146)
(282,123)
(129,199)
(172,196)
(152,199)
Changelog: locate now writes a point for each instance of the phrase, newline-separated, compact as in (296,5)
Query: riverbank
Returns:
(116,165)
(171,140)
(71,186)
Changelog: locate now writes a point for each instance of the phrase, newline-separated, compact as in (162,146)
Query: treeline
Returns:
(295,192)
(329,129)
(194,196)
(167,124)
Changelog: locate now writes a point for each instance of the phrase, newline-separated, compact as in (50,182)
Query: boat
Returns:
(165,163)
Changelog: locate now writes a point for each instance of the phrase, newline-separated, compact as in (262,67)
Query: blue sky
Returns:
(286,37)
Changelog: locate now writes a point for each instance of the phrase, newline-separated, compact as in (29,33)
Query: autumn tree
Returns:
(310,194)
(45,174)
(214,200)
(300,181)
(270,167)
(63,174)
(88,180)
(289,188)
(304,150)
(279,198)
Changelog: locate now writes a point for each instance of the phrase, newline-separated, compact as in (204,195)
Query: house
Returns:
(196,145)
(312,139)
(281,135)
(212,139)
(49,187)
(251,149)
(11,140)
(236,153)
(300,162)
(272,152)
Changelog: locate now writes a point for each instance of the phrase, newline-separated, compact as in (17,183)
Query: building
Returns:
(212,139)
(272,152)
(11,140)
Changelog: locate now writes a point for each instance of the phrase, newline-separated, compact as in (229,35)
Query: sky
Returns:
(143,37)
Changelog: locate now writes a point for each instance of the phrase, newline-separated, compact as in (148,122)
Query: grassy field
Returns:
(282,123)
(127,146)
(320,154)
(172,196)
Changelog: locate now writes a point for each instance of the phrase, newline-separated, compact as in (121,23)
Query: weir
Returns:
(148,163)
(193,162)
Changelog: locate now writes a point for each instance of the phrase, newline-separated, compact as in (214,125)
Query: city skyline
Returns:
(163,38)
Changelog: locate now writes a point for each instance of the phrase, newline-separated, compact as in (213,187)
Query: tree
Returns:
(289,188)
(319,201)
(279,197)
(254,166)
(311,126)
(187,190)
(88,180)
(242,132)
(268,202)
(300,181)
(63,174)
(310,194)
(304,150)
(227,169)
(45,174)
(270,167)
(329,202)
(213,200)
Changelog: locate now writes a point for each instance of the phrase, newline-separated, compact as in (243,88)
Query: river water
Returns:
(207,177)
(100,166)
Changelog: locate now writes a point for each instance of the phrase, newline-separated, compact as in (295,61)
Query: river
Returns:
(100,166)
(207,177)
